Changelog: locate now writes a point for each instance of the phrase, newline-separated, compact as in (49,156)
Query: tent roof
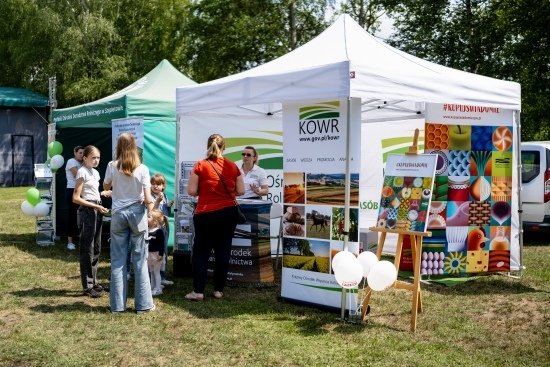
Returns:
(152,96)
(346,61)
(20,97)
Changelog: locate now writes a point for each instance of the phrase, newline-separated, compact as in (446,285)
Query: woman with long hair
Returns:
(216,181)
(131,195)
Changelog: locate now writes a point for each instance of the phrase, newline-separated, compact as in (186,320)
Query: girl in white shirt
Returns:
(87,195)
(71,168)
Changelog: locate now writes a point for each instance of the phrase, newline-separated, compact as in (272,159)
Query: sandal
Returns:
(217,294)
(194,296)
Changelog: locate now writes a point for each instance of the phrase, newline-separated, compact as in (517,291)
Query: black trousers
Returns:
(72,227)
(90,244)
(213,231)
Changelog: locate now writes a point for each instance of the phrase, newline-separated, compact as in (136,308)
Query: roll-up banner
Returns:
(314,165)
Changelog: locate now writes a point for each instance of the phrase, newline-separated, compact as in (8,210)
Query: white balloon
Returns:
(27,208)
(339,257)
(382,276)
(367,260)
(41,209)
(349,272)
(57,161)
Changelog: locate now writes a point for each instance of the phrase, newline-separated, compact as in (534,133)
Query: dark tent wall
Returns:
(158,155)
(70,138)
(24,135)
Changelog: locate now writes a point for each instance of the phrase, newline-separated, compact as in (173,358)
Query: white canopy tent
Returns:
(346,62)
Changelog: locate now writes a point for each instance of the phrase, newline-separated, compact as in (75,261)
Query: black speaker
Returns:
(182,264)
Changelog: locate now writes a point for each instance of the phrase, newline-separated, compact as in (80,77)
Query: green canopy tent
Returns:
(152,97)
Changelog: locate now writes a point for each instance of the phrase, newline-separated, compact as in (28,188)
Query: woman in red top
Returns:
(215,216)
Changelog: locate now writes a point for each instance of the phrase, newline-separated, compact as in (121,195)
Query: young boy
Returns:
(158,185)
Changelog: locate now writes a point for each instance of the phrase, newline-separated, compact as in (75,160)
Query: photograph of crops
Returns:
(294,189)
(323,188)
(310,255)
(318,221)
(337,226)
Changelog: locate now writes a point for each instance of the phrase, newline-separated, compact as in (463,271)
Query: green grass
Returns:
(45,321)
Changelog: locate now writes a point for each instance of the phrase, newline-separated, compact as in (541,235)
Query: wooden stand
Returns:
(416,247)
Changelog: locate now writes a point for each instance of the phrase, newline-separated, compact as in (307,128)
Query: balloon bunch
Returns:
(56,161)
(349,270)
(34,205)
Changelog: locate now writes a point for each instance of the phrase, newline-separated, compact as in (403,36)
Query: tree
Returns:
(365,12)
(228,37)
(495,38)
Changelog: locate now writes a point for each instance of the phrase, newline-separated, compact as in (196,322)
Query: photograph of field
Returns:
(294,189)
(318,221)
(310,255)
(330,189)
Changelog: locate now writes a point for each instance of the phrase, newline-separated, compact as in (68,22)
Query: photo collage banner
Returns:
(471,207)
(314,165)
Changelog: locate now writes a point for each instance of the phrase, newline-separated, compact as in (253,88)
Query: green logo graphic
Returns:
(321,110)
(269,150)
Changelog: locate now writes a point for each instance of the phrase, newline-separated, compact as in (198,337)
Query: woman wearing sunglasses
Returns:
(255,178)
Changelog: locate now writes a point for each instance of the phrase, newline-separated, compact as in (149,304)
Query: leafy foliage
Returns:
(495,38)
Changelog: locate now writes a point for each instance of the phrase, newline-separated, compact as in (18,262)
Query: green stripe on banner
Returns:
(333,289)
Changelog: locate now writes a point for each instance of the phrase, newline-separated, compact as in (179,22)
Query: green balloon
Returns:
(55,148)
(54,170)
(47,163)
(33,196)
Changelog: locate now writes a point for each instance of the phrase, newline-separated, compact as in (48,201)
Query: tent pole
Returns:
(347,197)
(520,205)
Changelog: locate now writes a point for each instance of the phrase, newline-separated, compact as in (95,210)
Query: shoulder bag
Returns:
(241,219)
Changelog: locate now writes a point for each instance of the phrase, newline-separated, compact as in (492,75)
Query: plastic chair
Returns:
(277,213)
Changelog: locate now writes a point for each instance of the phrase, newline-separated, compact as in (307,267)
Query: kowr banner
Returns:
(314,164)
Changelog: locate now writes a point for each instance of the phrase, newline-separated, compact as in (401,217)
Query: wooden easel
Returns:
(416,247)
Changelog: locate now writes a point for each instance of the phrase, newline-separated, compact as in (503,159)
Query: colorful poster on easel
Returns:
(470,214)
(406,192)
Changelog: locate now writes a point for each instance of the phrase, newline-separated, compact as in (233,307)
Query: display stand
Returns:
(45,230)
(416,247)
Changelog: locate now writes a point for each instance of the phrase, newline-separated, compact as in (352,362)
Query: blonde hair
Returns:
(159,219)
(158,179)
(126,154)
(215,146)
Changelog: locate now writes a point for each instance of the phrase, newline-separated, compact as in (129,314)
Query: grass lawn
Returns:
(46,321)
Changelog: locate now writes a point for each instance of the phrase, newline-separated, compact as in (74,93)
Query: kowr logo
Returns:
(320,118)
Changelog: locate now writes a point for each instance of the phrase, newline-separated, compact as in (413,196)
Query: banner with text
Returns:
(314,165)
(472,211)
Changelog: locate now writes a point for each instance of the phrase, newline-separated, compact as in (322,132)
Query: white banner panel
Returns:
(315,146)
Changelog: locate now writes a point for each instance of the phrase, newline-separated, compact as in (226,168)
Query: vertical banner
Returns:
(472,208)
(250,260)
(314,165)
(133,125)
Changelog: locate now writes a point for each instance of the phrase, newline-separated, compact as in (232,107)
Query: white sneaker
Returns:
(71,246)
(166,282)
(156,292)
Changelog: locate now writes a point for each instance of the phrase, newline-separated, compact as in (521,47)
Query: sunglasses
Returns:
(247,155)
